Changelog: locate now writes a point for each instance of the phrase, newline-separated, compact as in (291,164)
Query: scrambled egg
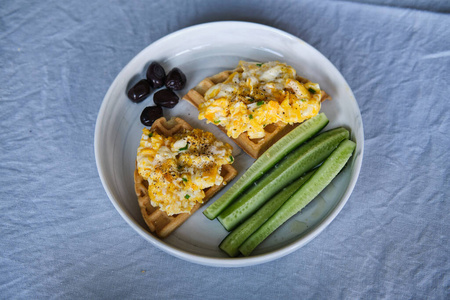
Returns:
(259,94)
(178,168)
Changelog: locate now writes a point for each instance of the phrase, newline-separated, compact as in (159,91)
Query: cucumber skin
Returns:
(268,159)
(321,178)
(231,243)
(293,166)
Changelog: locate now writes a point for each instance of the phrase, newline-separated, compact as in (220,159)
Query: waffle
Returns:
(157,220)
(253,147)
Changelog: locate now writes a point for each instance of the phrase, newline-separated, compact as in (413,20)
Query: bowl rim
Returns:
(224,261)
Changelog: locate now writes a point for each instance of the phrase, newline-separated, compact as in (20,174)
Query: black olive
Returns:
(139,91)
(166,98)
(175,80)
(150,114)
(156,75)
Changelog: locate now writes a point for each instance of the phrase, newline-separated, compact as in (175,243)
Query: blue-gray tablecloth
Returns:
(60,237)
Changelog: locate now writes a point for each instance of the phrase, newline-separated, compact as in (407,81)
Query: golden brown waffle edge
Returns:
(253,147)
(157,220)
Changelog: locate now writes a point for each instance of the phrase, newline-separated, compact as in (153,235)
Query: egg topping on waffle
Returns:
(258,94)
(179,167)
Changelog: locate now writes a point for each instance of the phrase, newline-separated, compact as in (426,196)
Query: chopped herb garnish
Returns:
(184,179)
(184,148)
(260,103)
(303,100)
(150,134)
(179,167)
(312,91)
(251,99)
(187,196)
(259,65)
(250,117)
(231,158)
(217,122)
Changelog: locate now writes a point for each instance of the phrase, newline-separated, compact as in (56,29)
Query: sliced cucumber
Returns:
(293,166)
(231,243)
(305,194)
(267,160)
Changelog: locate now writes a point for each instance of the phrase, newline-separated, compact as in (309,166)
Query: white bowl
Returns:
(201,51)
